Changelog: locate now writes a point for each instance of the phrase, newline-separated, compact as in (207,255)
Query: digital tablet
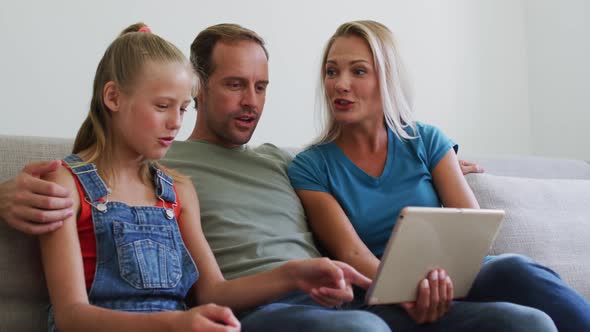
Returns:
(456,240)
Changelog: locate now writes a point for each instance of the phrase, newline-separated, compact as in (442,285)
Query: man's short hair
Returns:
(203,45)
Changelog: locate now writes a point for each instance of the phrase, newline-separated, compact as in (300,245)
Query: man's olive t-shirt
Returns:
(250,214)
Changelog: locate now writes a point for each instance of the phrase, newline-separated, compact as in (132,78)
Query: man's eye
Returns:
(261,88)
(234,85)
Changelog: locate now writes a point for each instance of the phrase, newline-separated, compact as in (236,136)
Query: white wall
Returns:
(559,76)
(468,60)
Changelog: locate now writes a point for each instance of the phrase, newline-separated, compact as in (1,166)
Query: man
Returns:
(250,214)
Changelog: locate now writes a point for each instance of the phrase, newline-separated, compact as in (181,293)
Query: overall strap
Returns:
(164,185)
(94,186)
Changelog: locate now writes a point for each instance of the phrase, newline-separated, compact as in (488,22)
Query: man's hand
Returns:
(468,167)
(329,282)
(435,296)
(33,205)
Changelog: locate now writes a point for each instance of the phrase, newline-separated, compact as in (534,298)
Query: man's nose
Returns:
(250,98)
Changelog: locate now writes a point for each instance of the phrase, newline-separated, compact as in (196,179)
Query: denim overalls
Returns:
(142,264)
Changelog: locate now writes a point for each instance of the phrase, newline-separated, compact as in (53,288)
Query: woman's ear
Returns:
(111,96)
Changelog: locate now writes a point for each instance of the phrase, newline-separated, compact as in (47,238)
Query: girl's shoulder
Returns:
(62,176)
(186,192)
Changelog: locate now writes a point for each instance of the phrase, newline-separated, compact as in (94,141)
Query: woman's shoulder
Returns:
(425,134)
(426,129)
(311,160)
(314,153)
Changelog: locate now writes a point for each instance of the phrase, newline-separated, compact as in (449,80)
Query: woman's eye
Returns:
(162,106)
(360,71)
(330,72)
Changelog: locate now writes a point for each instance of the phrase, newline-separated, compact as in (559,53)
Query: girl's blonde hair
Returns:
(393,85)
(122,64)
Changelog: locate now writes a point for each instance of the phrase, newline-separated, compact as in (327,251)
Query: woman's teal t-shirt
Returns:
(373,203)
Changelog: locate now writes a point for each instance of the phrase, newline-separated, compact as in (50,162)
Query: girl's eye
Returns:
(162,106)
(183,110)
(330,72)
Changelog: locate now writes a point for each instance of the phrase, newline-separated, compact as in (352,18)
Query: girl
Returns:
(120,263)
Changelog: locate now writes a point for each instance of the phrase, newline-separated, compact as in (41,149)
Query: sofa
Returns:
(547,204)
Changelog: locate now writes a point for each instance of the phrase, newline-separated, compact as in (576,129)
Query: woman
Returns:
(373,159)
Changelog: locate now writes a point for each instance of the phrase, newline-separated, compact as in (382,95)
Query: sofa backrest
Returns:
(23,295)
(533,166)
(520,165)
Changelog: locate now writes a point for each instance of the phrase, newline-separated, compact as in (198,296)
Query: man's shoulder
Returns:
(272,151)
(190,150)
(182,149)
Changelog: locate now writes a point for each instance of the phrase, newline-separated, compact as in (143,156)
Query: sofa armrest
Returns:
(546,219)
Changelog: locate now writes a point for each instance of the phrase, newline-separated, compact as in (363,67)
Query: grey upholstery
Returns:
(546,219)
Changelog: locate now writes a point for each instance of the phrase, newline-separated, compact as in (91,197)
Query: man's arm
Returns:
(468,167)
(32,205)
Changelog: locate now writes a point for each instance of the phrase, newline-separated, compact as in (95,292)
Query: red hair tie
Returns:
(144,29)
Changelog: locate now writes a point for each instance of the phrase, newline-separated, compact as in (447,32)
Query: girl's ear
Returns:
(111,96)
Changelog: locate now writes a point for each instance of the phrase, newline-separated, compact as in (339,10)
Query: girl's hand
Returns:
(435,296)
(208,318)
(328,282)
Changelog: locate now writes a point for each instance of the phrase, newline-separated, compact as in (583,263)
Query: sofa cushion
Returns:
(546,219)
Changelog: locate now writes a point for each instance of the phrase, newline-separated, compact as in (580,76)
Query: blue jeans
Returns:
(518,279)
(511,293)
(298,313)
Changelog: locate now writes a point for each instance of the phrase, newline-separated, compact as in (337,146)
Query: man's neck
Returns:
(216,142)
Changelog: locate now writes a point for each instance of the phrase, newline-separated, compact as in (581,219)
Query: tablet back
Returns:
(456,240)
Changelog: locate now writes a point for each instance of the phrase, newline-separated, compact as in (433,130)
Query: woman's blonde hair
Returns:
(122,64)
(393,86)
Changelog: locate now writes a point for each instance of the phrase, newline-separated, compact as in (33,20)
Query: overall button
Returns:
(169,213)
(101,207)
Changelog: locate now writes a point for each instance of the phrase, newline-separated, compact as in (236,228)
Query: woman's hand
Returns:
(328,282)
(435,296)
(208,318)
